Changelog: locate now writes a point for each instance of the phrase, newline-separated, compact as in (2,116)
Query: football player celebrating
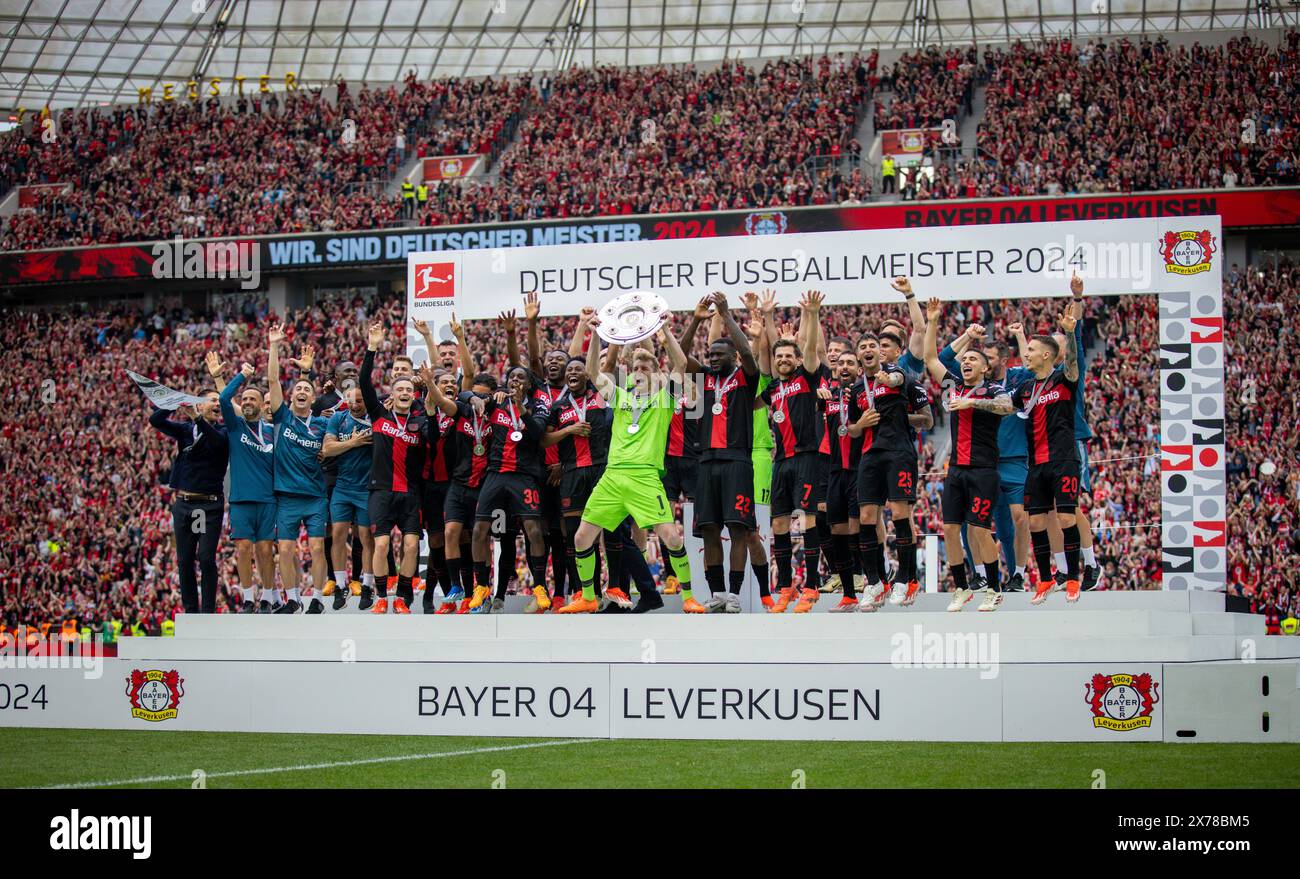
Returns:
(970,489)
(299,480)
(1046,403)
(348,438)
(725,492)
(632,484)
(398,434)
(517,419)
(796,483)
(888,471)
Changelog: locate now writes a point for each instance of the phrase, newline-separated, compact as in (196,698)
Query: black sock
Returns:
(1071,546)
(737,579)
(714,577)
(536,567)
(1042,554)
(381,584)
(667,561)
(868,543)
(453,576)
(613,560)
(764,577)
(404,588)
(992,576)
(507,558)
(482,576)
(958,572)
(358,563)
(436,572)
(572,579)
(880,558)
(812,559)
(466,572)
(781,549)
(844,556)
(906,544)
(559,556)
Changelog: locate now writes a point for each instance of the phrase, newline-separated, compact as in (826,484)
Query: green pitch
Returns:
(32,757)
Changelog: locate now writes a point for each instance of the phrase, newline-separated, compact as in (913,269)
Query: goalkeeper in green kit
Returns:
(632,484)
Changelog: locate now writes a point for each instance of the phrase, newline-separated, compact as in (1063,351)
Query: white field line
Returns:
(397,758)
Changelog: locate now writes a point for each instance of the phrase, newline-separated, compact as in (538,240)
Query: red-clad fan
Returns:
(725,490)
(796,474)
(398,443)
(1046,401)
(977,405)
(517,420)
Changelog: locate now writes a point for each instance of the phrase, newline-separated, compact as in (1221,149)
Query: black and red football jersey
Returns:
(398,441)
(437,463)
(469,432)
(793,412)
(974,431)
(547,394)
(683,432)
(727,420)
(845,406)
(582,451)
(825,381)
(516,436)
(1047,405)
(893,432)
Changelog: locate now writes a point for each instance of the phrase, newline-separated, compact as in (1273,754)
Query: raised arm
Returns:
(1065,320)
(274,390)
(687,339)
(932,363)
(736,334)
(422,327)
(511,325)
(580,334)
(915,339)
(809,323)
(462,350)
(374,336)
(532,311)
(217,370)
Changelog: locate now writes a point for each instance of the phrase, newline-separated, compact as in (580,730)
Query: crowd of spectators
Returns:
(660,139)
(264,163)
(1127,117)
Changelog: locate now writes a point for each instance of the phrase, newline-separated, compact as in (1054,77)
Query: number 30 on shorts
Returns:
(530,497)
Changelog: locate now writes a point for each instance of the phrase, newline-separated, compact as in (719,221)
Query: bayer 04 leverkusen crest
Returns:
(1121,702)
(1187,252)
(765,223)
(155,694)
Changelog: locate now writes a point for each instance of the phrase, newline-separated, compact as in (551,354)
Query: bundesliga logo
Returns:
(435,280)
(1121,702)
(1187,253)
(155,694)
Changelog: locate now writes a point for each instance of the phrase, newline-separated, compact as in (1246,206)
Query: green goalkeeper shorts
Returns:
(762,476)
(628,491)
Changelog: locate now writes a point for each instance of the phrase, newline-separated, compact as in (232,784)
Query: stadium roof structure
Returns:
(87,52)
